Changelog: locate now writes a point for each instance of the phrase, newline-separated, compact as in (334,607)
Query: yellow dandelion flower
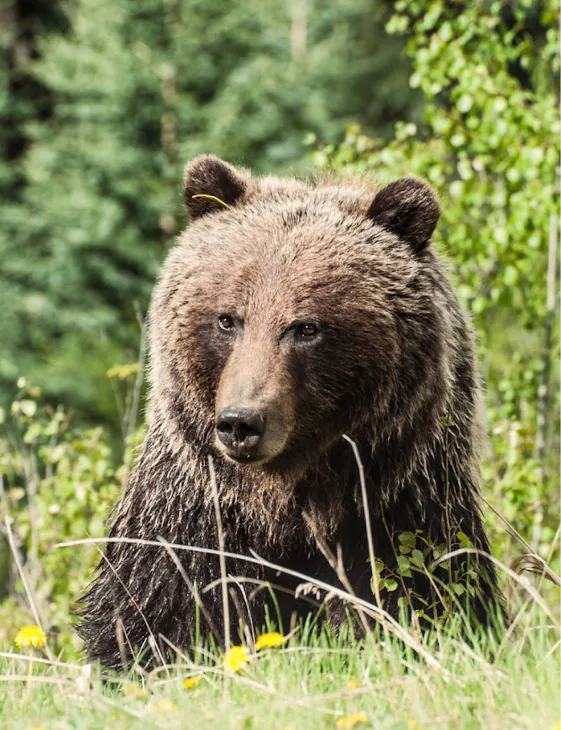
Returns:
(123,371)
(133,690)
(270,640)
(350,721)
(163,706)
(235,659)
(353,684)
(30,636)
(192,682)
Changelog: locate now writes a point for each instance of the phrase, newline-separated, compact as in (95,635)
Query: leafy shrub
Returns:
(56,484)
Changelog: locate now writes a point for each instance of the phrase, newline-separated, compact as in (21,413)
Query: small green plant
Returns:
(57,483)
(418,555)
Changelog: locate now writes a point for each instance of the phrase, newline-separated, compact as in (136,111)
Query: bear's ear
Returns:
(210,184)
(409,208)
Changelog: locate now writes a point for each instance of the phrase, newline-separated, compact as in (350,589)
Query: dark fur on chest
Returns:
(141,585)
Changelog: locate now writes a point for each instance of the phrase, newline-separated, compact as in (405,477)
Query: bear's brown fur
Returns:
(316,311)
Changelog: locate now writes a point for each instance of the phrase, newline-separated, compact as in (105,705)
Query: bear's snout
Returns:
(254,402)
(240,430)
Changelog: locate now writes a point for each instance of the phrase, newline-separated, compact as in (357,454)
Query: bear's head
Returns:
(291,313)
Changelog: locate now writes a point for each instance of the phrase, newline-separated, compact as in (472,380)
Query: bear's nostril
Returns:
(240,428)
(243,431)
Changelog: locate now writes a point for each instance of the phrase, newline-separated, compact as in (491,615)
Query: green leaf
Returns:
(408,539)
(403,566)
(464,103)
(463,540)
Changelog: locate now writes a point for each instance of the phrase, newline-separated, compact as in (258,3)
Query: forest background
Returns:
(102,102)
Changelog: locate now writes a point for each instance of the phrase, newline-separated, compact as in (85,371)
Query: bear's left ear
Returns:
(210,184)
(409,208)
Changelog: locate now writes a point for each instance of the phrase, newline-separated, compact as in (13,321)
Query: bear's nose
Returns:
(240,429)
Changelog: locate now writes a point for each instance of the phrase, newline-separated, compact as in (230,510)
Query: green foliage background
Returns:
(102,103)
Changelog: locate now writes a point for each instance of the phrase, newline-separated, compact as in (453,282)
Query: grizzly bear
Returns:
(289,316)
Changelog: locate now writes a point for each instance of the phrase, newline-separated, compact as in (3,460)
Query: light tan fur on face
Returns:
(256,378)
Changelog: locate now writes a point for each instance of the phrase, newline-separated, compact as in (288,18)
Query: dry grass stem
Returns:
(30,599)
(221,553)
(135,604)
(194,592)
(367,521)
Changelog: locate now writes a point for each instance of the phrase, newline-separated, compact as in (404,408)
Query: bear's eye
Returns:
(307,330)
(225,323)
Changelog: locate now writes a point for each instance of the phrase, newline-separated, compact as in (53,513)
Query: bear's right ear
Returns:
(210,184)
(409,208)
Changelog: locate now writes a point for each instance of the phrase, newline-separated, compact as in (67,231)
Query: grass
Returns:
(314,681)
(394,679)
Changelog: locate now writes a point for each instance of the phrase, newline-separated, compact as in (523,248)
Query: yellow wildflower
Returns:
(350,721)
(30,636)
(192,682)
(123,371)
(235,659)
(133,690)
(164,705)
(272,639)
(353,684)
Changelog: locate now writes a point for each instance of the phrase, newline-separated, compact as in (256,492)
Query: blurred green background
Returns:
(102,102)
